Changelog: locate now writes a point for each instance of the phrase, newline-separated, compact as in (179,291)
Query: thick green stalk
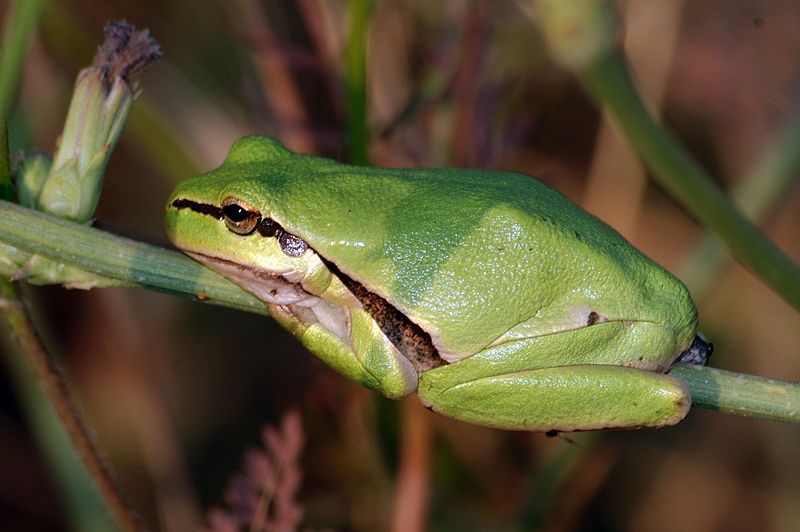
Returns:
(6,183)
(147,266)
(133,263)
(754,193)
(20,21)
(45,397)
(583,36)
(741,394)
(610,84)
(356,82)
(65,440)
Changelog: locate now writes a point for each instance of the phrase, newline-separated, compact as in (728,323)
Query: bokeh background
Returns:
(177,391)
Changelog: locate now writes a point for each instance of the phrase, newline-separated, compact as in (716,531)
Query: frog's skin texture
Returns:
(491,295)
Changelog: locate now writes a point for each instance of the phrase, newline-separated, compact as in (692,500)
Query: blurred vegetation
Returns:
(177,391)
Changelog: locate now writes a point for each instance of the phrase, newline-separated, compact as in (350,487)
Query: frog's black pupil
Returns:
(236,213)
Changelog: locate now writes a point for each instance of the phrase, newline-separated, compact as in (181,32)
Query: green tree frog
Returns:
(490,294)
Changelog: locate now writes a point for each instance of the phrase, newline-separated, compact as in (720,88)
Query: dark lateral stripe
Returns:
(266,227)
(202,208)
(269,227)
(409,338)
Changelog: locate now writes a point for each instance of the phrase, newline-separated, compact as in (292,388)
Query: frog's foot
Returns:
(698,353)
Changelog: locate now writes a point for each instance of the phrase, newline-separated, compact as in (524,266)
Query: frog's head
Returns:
(227,219)
(234,220)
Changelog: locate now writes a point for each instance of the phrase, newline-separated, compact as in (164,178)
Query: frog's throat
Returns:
(267,286)
(408,337)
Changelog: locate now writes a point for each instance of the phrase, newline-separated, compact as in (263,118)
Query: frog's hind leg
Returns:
(564,398)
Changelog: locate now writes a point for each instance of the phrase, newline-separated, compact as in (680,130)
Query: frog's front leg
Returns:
(562,398)
(356,348)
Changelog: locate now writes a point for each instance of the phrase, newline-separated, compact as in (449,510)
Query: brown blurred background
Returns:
(176,391)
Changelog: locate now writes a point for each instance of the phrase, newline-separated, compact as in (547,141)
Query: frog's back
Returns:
(468,255)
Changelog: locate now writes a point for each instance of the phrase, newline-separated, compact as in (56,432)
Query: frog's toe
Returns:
(698,353)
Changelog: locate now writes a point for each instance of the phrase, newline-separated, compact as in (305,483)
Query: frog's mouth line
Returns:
(409,338)
(269,287)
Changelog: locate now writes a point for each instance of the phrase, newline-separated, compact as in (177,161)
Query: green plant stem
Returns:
(146,266)
(17,320)
(25,349)
(610,84)
(20,22)
(6,184)
(133,263)
(85,508)
(741,394)
(754,193)
(356,81)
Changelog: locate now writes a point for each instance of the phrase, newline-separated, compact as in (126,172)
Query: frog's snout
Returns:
(698,353)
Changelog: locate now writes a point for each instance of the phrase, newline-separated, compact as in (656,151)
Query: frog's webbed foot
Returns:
(697,353)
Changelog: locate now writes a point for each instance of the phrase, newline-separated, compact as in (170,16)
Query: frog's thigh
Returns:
(564,398)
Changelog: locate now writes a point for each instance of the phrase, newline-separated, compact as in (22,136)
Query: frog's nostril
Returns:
(699,352)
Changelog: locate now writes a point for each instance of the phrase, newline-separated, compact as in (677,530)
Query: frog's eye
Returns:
(240,217)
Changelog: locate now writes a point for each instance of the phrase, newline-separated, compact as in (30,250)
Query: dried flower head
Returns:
(263,496)
(100,105)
